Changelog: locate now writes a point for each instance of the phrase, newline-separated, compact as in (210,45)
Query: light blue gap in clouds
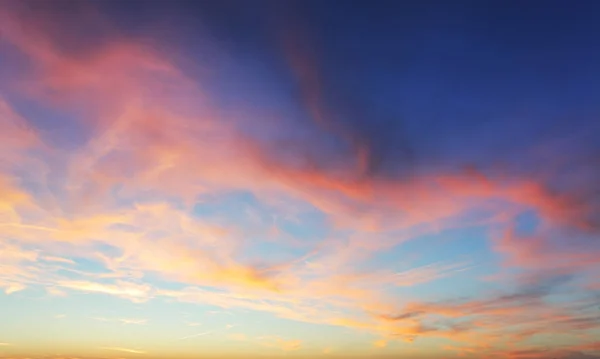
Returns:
(466,247)
(266,231)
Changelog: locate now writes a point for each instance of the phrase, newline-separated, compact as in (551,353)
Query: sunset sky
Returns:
(308,179)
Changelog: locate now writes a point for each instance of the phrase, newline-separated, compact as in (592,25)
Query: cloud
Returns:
(59,260)
(55,292)
(17,135)
(125,350)
(196,335)
(132,291)
(219,312)
(381,343)
(122,320)
(13,288)
(516,316)
(541,251)
(280,343)
(238,336)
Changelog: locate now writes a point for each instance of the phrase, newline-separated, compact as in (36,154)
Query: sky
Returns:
(299,179)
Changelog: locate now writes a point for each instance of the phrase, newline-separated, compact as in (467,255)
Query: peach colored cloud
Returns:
(276,342)
(280,343)
(381,343)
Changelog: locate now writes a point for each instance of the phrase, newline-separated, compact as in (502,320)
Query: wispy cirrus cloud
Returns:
(124,350)
(122,320)
(59,260)
(132,291)
(275,342)
(201,334)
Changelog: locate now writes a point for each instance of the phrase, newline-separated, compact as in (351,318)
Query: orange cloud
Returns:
(381,343)
(280,343)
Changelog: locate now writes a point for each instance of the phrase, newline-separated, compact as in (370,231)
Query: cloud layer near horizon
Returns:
(124,173)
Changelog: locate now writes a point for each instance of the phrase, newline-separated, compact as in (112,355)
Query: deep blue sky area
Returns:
(420,83)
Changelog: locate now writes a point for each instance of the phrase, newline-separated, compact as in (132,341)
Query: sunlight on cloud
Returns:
(131,291)
(382,343)
(125,350)
(275,342)
(122,320)
(201,334)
